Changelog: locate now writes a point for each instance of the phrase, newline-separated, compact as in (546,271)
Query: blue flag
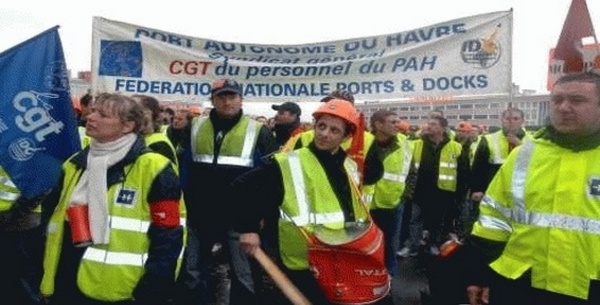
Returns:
(38,127)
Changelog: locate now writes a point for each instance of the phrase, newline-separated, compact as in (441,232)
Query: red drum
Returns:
(349,263)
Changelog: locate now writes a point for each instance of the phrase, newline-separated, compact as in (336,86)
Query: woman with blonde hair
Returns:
(114,233)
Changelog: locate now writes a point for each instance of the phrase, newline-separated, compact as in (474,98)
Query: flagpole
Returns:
(510,83)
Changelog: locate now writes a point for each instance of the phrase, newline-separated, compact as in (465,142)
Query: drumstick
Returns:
(280,279)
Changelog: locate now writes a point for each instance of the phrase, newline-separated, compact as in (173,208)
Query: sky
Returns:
(536,24)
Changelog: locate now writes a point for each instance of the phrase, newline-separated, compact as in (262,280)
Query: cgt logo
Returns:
(371,272)
(35,116)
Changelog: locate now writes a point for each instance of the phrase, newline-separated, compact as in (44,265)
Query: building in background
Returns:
(480,110)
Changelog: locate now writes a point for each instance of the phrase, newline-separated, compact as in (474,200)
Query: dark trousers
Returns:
(446,280)
(388,220)
(195,275)
(21,265)
(505,291)
(438,215)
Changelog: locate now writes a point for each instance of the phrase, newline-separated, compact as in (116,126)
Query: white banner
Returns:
(461,57)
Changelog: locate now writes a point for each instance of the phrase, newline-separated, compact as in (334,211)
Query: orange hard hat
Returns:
(76,103)
(403,126)
(464,126)
(195,110)
(342,109)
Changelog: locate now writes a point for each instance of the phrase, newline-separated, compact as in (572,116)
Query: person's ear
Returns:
(128,127)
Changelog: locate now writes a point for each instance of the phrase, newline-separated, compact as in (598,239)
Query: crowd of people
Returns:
(158,197)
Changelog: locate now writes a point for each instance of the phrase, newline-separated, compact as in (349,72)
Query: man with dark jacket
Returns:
(223,145)
(441,174)
(287,122)
(330,195)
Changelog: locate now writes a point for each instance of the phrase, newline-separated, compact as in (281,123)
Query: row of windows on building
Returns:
(522,106)
(485,112)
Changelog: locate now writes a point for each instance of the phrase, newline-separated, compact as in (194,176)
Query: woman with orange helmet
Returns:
(330,193)
(339,109)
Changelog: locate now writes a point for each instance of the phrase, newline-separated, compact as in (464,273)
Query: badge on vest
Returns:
(595,187)
(126,197)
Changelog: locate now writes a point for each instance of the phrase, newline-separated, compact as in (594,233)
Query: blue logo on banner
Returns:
(38,129)
(120,58)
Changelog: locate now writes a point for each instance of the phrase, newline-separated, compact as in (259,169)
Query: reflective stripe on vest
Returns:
(8,190)
(473,149)
(121,261)
(115,258)
(447,164)
(396,164)
(123,258)
(7,182)
(8,196)
(394,177)
(406,158)
(129,224)
(245,159)
(134,225)
(519,214)
(304,216)
(496,148)
(309,201)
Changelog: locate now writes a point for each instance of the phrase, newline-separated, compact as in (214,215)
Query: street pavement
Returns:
(407,285)
(409,281)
